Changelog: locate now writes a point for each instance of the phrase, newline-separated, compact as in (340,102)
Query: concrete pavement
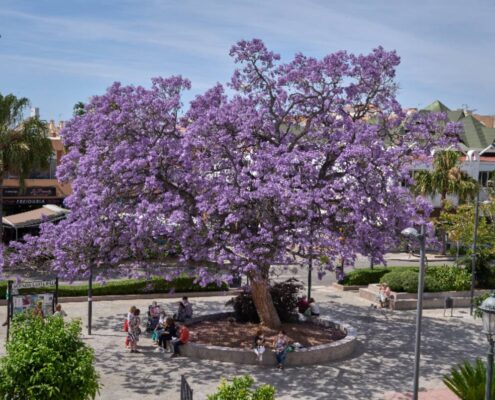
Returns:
(381,367)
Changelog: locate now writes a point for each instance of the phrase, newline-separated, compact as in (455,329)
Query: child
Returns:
(183,339)
(259,345)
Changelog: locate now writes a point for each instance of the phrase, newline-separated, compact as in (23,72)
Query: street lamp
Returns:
(488,309)
(420,237)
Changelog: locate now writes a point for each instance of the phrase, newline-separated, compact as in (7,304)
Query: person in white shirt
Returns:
(315,309)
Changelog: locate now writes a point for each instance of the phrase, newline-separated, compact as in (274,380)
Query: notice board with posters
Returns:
(20,302)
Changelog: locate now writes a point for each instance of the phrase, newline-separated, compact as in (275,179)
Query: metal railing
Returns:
(186,393)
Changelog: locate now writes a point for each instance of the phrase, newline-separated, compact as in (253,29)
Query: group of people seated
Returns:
(155,313)
(167,331)
(281,347)
(308,308)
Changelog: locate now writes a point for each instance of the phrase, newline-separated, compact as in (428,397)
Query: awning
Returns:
(33,218)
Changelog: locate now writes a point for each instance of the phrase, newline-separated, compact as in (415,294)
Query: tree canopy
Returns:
(294,156)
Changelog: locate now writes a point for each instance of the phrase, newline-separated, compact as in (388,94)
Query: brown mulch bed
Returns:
(225,332)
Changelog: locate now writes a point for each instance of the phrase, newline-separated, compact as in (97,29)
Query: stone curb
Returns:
(157,296)
(320,354)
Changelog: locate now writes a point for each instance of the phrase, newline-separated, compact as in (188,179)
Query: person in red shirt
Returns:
(183,339)
(302,304)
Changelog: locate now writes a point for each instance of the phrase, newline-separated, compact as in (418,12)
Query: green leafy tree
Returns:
(24,143)
(46,359)
(459,224)
(446,178)
(240,389)
(467,380)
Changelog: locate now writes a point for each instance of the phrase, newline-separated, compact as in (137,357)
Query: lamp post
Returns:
(488,310)
(90,297)
(420,237)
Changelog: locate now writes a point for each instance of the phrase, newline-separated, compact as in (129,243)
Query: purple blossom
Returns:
(304,158)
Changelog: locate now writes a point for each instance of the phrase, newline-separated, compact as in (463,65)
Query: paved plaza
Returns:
(381,367)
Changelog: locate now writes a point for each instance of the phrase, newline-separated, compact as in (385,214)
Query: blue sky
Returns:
(58,52)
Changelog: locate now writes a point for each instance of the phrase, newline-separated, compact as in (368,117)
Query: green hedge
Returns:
(438,279)
(127,286)
(365,276)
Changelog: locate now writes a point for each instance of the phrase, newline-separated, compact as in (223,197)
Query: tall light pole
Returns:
(90,297)
(488,310)
(420,237)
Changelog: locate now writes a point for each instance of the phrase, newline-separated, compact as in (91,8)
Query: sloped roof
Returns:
(35,217)
(437,106)
(476,136)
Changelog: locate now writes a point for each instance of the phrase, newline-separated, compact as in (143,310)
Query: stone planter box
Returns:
(407,301)
(307,356)
(346,288)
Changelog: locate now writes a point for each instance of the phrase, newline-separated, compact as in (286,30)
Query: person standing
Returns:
(134,331)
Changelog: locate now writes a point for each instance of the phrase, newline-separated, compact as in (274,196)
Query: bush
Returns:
(394,280)
(438,279)
(449,278)
(244,309)
(364,276)
(46,359)
(240,389)
(284,295)
(127,286)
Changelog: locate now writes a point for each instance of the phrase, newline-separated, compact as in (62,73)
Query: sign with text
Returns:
(33,284)
(35,191)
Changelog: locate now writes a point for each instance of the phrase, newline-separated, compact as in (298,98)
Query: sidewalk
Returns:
(381,367)
(415,258)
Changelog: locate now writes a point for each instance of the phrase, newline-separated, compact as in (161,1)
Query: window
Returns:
(484,177)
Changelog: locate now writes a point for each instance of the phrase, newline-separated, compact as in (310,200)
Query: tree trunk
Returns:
(263,302)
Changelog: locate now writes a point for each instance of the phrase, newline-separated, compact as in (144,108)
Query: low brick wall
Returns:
(307,356)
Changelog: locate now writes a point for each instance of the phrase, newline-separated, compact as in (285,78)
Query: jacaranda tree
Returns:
(304,158)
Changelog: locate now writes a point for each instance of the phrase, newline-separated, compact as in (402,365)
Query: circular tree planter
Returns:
(319,354)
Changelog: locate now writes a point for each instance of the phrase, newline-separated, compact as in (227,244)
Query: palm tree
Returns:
(446,178)
(468,380)
(24,143)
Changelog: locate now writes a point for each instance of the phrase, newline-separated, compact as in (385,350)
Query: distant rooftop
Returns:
(476,135)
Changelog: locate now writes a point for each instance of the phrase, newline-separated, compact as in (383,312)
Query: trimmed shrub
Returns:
(47,359)
(394,280)
(438,279)
(127,286)
(364,276)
